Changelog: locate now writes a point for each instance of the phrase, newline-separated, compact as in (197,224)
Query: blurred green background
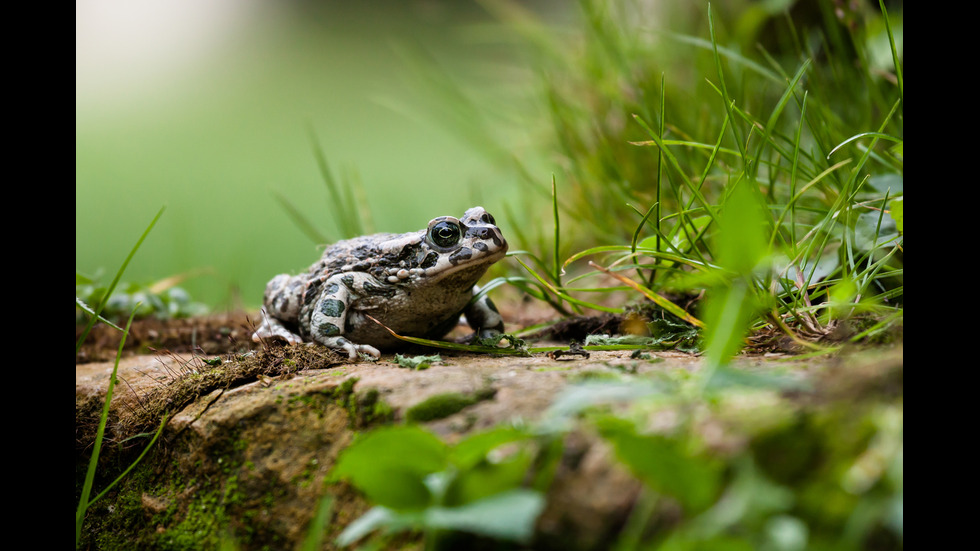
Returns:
(205,107)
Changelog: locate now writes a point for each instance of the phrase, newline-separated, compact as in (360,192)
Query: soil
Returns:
(255,419)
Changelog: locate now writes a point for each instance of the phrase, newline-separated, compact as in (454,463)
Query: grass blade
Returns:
(88,310)
(301,221)
(558,293)
(659,300)
(452,345)
(895,60)
(83,501)
(115,281)
(554,210)
(156,435)
(724,88)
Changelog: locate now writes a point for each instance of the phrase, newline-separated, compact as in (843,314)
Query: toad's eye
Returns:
(445,234)
(488,219)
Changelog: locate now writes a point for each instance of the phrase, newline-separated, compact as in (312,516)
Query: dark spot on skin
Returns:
(463,254)
(406,256)
(372,289)
(480,246)
(331,288)
(328,330)
(347,280)
(478,232)
(332,307)
(429,261)
(311,294)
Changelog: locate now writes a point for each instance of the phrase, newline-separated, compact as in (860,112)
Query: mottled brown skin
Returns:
(416,283)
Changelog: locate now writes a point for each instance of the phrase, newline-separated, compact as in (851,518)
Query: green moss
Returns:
(160,506)
(363,410)
(444,405)
(596,375)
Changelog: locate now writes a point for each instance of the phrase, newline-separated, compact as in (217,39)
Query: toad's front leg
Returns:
(483,317)
(330,314)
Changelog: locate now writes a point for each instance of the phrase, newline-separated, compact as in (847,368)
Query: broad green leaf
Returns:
(664,464)
(728,313)
(577,398)
(375,518)
(740,242)
(390,465)
(474,448)
(489,478)
(508,516)
(726,377)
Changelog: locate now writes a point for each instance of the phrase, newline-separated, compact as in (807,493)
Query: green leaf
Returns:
(664,464)
(728,314)
(740,242)
(727,377)
(390,465)
(475,448)
(508,516)
(489,477)
(417,362)
(376,517)
(741,247)
(577,398)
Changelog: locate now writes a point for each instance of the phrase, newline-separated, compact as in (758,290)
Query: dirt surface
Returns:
(268,423)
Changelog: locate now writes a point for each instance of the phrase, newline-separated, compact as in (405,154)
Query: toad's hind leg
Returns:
(330,313)
(281,303)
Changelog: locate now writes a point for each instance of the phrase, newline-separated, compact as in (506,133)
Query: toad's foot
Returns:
(344,346)
(273,328)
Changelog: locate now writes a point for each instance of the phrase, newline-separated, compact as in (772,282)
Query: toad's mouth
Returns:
(464,264)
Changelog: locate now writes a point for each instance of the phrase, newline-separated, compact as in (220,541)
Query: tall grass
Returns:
(755,159)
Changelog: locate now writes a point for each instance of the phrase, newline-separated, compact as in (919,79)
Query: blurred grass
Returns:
(218,142)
